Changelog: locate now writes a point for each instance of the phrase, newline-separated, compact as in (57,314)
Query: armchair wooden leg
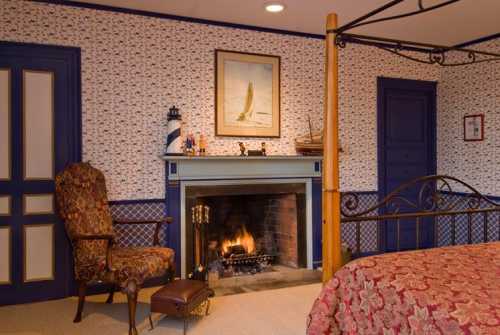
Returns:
(208,307)
(132,291)
(82,287)
(111,295)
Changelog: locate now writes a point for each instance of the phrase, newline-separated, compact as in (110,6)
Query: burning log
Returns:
(238,255)
(242,239)
(237,249)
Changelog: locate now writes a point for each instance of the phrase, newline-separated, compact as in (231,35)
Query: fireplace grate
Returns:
(246,259)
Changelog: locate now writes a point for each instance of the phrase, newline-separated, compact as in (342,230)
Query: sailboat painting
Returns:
(247,95)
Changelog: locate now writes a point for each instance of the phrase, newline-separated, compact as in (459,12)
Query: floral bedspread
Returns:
(450,290)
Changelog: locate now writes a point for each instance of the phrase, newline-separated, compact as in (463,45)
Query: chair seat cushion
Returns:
(130,264)
(141,263)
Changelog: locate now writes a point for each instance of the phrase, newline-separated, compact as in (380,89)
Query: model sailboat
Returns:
(310,144)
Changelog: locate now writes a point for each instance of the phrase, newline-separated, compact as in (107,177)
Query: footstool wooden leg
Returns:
(151,321)
(111,295)
(185,325)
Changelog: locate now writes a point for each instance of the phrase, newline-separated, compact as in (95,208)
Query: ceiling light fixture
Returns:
(274,7)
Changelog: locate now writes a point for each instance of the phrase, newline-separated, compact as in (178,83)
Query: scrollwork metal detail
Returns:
(436,57)
(431,197)
(340,42)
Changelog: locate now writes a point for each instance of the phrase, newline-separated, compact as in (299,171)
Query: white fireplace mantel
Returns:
(237,167)
(214,171)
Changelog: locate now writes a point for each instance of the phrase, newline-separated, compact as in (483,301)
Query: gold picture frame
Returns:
(247,94)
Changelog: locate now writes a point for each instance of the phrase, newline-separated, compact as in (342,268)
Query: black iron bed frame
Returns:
(436,54)
(436,202)
(433,204)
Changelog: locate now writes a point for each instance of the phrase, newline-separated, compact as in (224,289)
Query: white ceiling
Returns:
(457,23)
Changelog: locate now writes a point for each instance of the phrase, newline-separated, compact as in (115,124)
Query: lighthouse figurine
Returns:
(173,145)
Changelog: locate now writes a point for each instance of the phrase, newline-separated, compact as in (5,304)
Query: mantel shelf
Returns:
(204,158)
(242,167)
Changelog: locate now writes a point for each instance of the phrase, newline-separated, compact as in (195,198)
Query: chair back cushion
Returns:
(83,205)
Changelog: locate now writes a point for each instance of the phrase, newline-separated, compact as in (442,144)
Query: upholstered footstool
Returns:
(179,299)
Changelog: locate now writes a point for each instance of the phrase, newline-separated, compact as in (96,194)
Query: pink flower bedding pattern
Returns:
(450,290)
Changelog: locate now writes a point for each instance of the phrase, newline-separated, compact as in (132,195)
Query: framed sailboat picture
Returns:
(247,91)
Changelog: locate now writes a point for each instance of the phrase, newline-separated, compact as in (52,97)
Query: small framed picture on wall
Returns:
(474,127)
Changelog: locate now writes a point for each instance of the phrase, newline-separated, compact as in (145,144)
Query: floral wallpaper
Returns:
(134,68)
(469,90)
(359,68)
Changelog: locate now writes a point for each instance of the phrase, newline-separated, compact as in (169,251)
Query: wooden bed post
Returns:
(332,260)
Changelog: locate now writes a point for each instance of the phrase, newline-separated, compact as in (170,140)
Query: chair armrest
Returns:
(158,223)
(107,237)
(167,220)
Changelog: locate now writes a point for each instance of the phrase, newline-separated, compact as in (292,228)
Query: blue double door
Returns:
(406,150)
(40,134)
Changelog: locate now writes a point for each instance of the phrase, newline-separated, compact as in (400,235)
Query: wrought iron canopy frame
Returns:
(436,54)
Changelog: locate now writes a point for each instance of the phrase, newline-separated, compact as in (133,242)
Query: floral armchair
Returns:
(83,205)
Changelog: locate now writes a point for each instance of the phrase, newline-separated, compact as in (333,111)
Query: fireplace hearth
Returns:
(251,228)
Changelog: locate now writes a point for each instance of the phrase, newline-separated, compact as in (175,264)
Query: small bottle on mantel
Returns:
(173,143)
(202,146)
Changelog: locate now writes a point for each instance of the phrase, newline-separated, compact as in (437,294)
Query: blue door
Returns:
(40,134)
(406,150)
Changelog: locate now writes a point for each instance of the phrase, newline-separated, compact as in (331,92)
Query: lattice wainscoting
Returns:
(142,235)
(369,239)
(137,235)
(444,224)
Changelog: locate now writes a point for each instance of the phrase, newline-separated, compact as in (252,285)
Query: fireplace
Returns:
(251,228)
(190,178)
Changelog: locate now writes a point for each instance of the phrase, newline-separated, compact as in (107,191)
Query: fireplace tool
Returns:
(200,217)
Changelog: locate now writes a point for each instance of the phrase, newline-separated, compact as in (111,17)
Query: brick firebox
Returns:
(279,228)
(274,216)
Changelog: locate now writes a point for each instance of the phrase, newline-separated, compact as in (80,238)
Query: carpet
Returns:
(272,312)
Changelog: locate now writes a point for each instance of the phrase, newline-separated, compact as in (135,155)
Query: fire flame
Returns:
(242,238)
